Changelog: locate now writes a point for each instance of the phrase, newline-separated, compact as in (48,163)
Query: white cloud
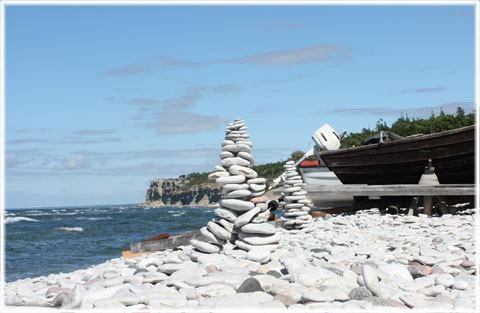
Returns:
(184,123)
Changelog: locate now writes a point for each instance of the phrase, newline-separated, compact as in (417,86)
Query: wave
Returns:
(19,219)
(79,229)
(178,214)
(94,218)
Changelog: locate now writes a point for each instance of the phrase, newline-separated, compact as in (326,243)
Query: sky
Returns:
(101,99)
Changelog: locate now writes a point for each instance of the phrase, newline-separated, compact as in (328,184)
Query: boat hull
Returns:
(403,161)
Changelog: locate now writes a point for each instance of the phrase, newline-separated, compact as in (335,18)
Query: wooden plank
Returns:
(394,190)
(169,243)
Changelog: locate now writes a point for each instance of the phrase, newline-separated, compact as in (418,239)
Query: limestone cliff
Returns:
(175,191)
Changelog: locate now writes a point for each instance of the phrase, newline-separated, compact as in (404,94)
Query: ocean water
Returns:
(39,242)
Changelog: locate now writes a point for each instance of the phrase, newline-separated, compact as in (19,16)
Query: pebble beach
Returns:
(360,261)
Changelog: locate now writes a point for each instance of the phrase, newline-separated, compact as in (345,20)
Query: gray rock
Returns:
(334,270)
(360,293)
(250,285)
(378,301)
(415,272)
(274,274)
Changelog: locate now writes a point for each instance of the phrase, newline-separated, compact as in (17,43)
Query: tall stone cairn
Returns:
(243,213)
(296,202)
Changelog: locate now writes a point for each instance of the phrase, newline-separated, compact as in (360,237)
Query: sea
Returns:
(44,241)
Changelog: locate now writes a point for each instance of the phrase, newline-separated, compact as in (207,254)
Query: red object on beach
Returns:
(307,163)
(162,236)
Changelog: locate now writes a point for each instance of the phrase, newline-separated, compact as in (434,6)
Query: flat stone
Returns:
(219,168)
(205,247)
(210,291)
(460,285)
(219,231)
(246,217)
(247,156)
(259,255)
(237,205)
(261,217)
(211,238)
(204,280)
(242,170)
(238,194)
(231,187)
(371,279)
(226,154)
(257,239)
(236,179)
(260,228)
(249,285)
(248,247)
(257,187)
(216,175)
(234,161)
(237,148)
(446,280)
(258,180)
(225,213)
(227,225)
(169,268)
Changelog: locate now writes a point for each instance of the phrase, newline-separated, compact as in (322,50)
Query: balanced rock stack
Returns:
(296,202)
(243,213)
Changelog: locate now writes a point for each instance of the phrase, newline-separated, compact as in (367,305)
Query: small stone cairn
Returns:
(296,202)
(243,213)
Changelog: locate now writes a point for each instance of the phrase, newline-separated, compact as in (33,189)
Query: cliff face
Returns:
(164,192)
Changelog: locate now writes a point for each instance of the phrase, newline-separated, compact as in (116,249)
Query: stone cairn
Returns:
(243,213)
(296,202)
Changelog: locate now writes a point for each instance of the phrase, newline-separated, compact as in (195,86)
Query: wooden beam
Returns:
(393,190)
(172,242)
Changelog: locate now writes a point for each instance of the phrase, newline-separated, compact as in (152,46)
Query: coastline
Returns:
(361,261)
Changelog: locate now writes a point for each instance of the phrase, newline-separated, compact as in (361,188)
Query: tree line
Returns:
(406,126)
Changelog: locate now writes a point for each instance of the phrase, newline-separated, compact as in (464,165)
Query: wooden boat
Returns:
(403,161)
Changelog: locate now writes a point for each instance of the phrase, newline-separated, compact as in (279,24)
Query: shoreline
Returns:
(360,261)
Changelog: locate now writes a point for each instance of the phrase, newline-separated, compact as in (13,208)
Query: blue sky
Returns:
(100,99)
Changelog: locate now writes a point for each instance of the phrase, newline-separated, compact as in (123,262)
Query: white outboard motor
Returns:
(326,138)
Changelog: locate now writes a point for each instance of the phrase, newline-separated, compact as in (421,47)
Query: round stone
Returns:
(261,217)
(250,285)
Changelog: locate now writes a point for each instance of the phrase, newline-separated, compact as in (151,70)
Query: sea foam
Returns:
(79,229)
(19,219)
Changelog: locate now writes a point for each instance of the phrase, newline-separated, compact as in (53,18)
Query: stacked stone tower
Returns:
(243,213)
(296,202)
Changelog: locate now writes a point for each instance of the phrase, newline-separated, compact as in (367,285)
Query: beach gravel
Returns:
(363,261)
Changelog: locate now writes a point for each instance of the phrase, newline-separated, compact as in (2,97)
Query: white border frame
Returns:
(4,3)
